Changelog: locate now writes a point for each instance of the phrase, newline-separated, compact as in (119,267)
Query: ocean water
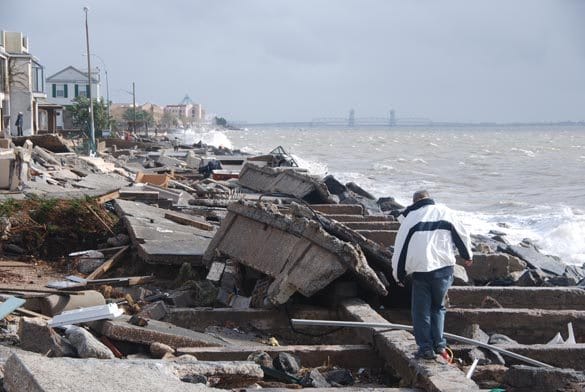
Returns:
(530,179)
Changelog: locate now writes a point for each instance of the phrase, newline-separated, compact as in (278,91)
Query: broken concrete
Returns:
(522,378)
(497,266)
(155,331)
(397,348)
(284,180)
(159,240)
(36,336)
(538,260)
(33,373)
(297,252)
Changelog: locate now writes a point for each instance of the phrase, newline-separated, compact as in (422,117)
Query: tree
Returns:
(80,114)
(169,119)
(222,122)
(142,117)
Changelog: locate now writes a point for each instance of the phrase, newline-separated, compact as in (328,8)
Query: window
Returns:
(60,90)
(3,86)
(38,79)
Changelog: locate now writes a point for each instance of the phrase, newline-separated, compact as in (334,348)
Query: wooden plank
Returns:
(105,267)
(185,219)
(12,289)
(30,313)
(108,197)
(346,356)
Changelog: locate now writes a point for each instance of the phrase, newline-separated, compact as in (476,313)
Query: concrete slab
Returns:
(339,209)
(346,356)
(373,225)
(527,326)
(554,298)
(35,373)
(155,331)
(287,181)
(361,218)
(397,348)
(297,252)
(160,240)
(383,237)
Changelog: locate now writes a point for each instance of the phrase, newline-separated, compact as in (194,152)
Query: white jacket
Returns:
(427,239)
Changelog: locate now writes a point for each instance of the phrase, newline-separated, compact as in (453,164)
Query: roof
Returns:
(72,74)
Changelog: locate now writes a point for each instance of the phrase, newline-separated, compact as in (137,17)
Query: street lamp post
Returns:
(134,105)
(107,89)
(91,123)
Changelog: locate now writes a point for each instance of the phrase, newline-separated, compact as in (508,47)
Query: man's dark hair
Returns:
(419,195)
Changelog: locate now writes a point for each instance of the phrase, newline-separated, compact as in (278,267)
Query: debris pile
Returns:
(183,268)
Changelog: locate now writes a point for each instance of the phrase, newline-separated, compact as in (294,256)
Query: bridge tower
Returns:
(392,118)
(351,120)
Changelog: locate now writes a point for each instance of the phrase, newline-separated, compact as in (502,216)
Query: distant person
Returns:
(176,144)
(18,123)
(425,250)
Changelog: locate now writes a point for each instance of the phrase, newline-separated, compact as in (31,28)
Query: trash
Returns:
(92,313)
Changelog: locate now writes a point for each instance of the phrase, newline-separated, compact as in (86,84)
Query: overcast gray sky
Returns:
(265,60)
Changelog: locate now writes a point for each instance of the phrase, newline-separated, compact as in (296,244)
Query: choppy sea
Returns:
(529,178)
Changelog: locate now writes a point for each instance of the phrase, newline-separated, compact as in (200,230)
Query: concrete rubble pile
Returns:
(199,259)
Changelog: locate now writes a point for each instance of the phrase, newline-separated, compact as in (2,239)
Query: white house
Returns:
(26,84)
(68,84)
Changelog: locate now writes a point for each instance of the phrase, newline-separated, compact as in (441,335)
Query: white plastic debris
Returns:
(92,313)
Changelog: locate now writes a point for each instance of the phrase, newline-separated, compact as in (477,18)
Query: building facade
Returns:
(25,84)
(66,85)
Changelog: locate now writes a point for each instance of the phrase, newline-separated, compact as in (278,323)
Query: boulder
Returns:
(358,190)
(261,358)
(314,379)
(495,266)
(119,240)
(499,338)
(288,363)
(335,187)
(86,344)
(535,259)
(389,204)
(158,350)
(532,278)
(35,335)
(337,377)
(474,332)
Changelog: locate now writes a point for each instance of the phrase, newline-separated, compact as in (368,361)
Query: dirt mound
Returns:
(51,228)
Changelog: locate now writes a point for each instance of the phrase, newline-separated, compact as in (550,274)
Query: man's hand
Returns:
(468,263)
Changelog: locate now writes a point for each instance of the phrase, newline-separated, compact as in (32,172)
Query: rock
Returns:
(339,377)
(489,377)
(182,298)
(536,259)
(523,378)
(195,379)
(288,363)
(205,293)
(90,261)
(119,240)
(499,338)
(474,332)
(335,187)
(154,311)
(495,266)
(476,353)
(314,379)
(497,233)
(460,277)
(389,204)
(573,271)
(138,321)
(35,335)
(86,344)
(261,358)
(358,190)
(14,249)
(158,350)
(532,278)
(564,281)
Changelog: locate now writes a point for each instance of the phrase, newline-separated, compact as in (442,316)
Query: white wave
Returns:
(314,167)
(420,160)
(528,153)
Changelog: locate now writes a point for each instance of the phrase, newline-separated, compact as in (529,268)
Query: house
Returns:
(68,84)
(4,96)
(25,84)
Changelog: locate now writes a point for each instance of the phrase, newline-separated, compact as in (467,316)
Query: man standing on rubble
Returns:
(18,123)
(425,250)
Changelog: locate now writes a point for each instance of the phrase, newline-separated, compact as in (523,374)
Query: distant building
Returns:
(68,84)
(4,94)
(24,86)
(187,111)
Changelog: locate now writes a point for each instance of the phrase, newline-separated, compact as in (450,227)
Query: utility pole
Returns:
(134,105)
(91,123)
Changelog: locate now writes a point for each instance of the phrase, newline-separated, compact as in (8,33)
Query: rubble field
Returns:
(150,269)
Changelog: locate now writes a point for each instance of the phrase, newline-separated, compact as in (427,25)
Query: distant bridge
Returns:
(344,122)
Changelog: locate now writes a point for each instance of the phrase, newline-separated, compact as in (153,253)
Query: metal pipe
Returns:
(472,368)
(357,324)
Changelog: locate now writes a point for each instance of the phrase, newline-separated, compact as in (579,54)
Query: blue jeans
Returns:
(428,307)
